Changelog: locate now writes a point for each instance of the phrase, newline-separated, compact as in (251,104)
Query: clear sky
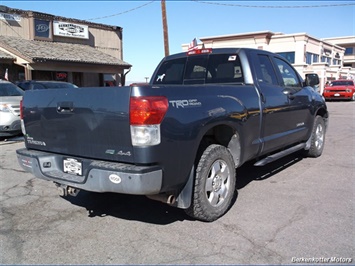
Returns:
(143,41)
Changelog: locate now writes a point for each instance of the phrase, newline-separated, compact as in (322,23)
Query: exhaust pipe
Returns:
(169,199)
(65,191)
(73,191)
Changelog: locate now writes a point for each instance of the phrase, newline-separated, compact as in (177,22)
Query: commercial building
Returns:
(331,58)
(348,42)
(41,46)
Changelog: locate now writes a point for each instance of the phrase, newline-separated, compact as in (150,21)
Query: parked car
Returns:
(10,97)
(44,84)
(342,89)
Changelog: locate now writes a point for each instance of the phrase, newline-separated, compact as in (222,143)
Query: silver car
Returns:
(10,97)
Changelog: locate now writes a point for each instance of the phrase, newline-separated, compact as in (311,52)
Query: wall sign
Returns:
(67,29)
(5,16)
(42,28)
(61,76)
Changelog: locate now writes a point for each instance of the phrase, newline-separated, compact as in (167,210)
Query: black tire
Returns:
(214,186)
(317,138)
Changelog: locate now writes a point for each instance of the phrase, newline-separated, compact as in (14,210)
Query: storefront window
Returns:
(325,59)
(290,56)
(311,58)
(308,58)
(315,58)
(349,51)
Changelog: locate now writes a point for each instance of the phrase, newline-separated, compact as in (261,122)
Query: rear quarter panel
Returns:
(193,110)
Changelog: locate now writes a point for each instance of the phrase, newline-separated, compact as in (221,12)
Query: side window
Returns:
(288,74)
(265,71)
(224,68)
(170,72)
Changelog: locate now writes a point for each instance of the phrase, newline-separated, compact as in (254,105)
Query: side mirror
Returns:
(312,80)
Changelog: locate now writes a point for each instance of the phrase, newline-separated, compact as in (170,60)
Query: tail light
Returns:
(146,114)
(23,129)
(21,112)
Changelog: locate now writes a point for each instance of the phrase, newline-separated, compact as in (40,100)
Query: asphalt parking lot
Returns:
(293,211)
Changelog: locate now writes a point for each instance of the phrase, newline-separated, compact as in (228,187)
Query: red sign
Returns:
(61,76)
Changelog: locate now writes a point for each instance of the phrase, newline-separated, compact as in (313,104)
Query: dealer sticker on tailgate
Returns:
(72,166)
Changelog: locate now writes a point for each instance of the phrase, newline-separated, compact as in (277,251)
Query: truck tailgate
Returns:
(84,122)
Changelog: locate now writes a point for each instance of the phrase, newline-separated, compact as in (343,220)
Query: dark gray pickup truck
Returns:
(180,138)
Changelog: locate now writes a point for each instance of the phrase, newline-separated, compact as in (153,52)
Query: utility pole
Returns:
(165,28)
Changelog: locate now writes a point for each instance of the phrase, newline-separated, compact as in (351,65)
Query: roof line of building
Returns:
(29,13)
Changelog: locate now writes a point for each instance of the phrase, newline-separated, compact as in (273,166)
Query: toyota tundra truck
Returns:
(180,138)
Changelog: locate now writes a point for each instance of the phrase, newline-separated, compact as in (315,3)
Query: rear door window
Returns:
(224,68)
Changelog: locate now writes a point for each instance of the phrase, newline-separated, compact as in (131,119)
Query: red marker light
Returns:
(200,51)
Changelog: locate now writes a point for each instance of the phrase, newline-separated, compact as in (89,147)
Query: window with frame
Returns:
(311,58)
(315,58)
(265,71)
(288,74)
(326,59)
(349,51)
(336,62)
(289,56)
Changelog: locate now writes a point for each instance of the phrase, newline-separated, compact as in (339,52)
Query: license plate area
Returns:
(336,94)
(72,166)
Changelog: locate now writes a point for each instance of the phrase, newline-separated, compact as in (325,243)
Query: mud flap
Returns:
(184,198)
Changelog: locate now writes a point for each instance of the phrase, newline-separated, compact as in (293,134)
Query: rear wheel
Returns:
(317,138)
(214,186)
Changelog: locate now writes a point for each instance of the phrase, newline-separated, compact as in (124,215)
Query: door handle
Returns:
(289,93)
(65,107)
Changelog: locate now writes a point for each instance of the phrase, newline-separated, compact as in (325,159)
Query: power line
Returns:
(273,6)
(228,4)
(124,12)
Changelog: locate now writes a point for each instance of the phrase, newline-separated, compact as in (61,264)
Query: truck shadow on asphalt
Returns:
(140,208)
(248,172)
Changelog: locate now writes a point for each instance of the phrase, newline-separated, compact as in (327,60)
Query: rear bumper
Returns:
(97,176)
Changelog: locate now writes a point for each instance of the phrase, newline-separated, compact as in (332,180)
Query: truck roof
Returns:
(231,50)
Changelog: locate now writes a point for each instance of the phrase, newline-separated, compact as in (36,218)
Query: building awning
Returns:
(34,52)
(6,56)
